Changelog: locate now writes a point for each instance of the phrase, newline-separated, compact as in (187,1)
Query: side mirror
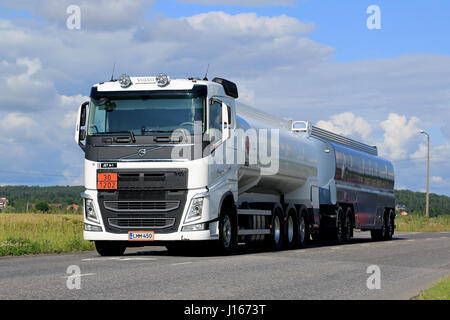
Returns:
(80,133)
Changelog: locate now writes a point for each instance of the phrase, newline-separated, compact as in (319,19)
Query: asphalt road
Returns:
(408,264)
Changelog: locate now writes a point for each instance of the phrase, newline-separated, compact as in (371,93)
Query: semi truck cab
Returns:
(145,141)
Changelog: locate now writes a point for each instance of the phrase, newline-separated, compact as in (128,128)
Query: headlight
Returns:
(90,211)
(195,210)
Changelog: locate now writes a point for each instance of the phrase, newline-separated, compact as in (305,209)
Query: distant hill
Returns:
(415,202)
(18,197)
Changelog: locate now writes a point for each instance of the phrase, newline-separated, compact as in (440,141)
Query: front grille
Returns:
(142,206)
(154,223)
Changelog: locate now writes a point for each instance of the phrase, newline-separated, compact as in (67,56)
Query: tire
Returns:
(348,230)
(291,230)
(380,234)
(390,226)
(227,232)
(302,233)
(339,231)
(109,248)
(276,239)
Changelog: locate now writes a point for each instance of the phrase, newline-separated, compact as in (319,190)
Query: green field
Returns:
(56,233)
(440,291)
(41,233)
(420,223)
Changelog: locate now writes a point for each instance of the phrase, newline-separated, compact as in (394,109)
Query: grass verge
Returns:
(440,291)
(41,233)
(419,223)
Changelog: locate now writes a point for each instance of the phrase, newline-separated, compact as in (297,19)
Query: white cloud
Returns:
(437,179)
(347,124)
(398,133)
(248,24)
(95,15)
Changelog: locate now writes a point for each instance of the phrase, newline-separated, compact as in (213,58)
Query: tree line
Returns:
(415,202)
(35,198)
(21,197)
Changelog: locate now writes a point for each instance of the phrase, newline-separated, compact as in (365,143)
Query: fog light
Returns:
(90,227)
(195,227)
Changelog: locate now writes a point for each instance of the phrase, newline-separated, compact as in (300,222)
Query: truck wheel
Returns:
(291,230)
(227,233)
(390,226)
(277,229)
(109,248)
(302,231)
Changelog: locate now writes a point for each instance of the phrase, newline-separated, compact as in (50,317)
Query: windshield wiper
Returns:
(130,132)
(157,131)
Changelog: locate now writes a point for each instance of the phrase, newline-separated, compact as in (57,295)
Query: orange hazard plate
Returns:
(141,235)
(106,180)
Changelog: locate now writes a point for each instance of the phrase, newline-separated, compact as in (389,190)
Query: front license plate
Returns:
(141,235)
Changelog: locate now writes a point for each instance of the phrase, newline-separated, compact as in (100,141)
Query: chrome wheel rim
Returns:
(290,229)
(302,229)
(226,231)
(277,229)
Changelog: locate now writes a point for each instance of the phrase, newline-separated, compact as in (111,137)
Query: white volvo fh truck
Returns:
(176,162)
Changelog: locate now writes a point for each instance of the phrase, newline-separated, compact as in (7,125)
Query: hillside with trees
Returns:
(19,196)
(58,198)
(415,202)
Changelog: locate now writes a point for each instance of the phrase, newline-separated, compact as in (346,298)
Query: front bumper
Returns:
(159,237)
(174,233)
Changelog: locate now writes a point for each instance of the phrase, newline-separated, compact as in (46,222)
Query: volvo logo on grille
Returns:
(142,152)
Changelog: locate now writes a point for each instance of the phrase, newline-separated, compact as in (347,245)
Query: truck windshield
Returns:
(146,116)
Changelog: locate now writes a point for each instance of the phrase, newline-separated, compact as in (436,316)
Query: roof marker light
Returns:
(124,81)
(162,80)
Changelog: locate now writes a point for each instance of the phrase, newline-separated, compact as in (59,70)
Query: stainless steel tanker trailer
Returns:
(177,162)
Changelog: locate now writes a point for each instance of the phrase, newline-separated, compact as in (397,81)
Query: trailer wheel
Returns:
(277,229)
(339,233)
(348,231)
(109,248)
(380,234)
(390,226)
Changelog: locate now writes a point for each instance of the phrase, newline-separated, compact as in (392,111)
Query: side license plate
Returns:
(141,235)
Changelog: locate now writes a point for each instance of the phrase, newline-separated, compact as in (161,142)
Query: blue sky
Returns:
(315,60)
(407,26)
